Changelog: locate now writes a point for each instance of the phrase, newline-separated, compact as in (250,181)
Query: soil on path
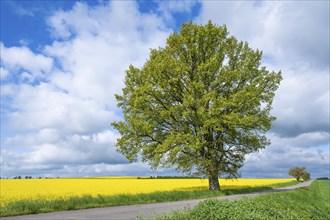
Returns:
(141,210)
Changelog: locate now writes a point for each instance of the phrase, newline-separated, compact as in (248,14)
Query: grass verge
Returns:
(303,203)
(24,207)
(324,186)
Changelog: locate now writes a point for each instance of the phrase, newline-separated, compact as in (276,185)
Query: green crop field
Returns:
(303,203)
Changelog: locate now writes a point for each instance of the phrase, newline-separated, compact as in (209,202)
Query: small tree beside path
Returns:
(299,173)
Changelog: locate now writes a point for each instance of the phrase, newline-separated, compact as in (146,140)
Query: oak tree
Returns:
(199,105)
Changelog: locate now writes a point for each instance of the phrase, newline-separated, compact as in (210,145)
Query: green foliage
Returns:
(306,176)
(299,173)
(200,104)
(303,203)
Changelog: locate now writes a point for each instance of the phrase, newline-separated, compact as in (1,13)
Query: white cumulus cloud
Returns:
(63,121)
(23,60)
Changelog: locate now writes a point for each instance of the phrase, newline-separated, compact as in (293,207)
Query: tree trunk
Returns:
(214,183)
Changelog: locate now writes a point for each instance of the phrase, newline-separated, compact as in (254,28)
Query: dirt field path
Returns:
(134,211)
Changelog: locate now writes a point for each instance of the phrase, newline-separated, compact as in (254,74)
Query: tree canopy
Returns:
(299,173)
(198,105)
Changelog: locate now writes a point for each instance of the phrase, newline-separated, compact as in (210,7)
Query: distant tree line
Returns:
(29,177)
(170,177)
(322,178)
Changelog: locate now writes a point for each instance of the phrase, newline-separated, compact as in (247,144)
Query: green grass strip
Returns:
(324,187)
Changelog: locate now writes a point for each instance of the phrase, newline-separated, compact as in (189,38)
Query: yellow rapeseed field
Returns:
(49,189)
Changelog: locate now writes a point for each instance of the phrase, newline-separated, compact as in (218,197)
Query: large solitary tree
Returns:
(198,105)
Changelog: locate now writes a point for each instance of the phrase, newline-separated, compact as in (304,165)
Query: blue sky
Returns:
(63,61)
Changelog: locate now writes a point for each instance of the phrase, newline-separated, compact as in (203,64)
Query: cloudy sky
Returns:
(63,61)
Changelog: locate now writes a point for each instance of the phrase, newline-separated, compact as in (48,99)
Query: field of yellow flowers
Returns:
(49,189)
